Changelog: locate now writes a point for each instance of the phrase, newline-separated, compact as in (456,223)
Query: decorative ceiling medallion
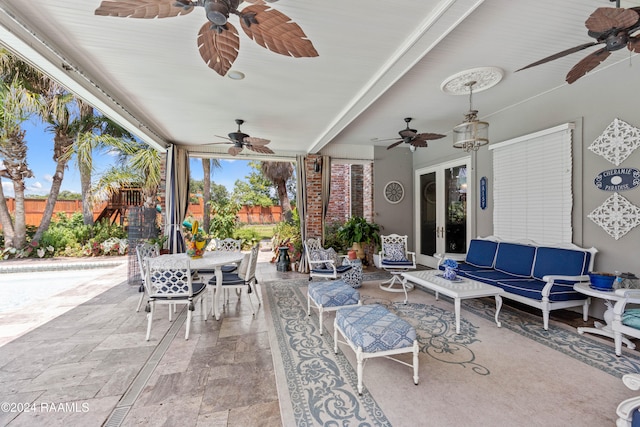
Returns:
(394,192)
(484,78)
(617,216)
(617,142)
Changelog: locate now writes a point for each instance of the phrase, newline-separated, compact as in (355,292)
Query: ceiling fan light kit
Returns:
(471,134)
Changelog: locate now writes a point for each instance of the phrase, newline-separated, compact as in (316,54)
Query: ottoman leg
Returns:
(320,309)
(335,337)
(416,350)
(308,304)
(360,369)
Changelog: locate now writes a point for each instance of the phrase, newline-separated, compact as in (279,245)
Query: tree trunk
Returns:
(87,200)
(61,145)
(206,194)
(5,219)
(20,225)
(284,200)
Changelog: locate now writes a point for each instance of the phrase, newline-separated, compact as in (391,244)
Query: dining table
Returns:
(211,260)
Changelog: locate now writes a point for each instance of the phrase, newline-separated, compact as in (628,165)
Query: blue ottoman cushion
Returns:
(374,328)
(333,294)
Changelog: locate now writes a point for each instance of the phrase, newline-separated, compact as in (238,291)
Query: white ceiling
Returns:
(378,63)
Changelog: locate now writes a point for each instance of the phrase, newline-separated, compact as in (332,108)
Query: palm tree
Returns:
(18,104)
(207,165)
(279,173)
(140,165)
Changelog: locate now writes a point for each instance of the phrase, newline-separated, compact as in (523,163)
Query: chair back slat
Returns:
(171,279)
(229,245)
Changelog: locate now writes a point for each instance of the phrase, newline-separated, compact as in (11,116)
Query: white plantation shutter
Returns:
(532,191)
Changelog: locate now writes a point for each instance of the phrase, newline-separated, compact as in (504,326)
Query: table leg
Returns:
(498,307)
(456,302)
(218,291)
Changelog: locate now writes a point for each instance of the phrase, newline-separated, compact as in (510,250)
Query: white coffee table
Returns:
(459,289)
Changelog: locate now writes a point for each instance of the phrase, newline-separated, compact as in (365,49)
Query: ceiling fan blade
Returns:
(383,139)
(218,51)
(142,9)
(560,55)
(234,150)
(606,18)
(256,141)
(429,136)
(275,31)
(223,137)
(634,44)
(260,149)
(419,143)
(587,64)
(218,143)
(395,144)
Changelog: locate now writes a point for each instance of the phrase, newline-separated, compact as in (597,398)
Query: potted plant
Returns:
(357,231)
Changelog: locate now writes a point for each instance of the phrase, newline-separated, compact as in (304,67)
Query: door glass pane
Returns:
(456,210)
(428,214)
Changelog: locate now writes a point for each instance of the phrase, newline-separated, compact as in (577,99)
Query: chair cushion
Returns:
(631,318)
(514,258)
(333,294)
(339,269)
(558,261)
(394,252)
(374,328)
(481,253)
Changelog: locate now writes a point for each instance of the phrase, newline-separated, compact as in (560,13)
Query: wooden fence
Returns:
(35,207)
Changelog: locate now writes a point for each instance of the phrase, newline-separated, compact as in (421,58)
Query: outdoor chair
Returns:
(229,245)
(144,250)
(171,284)
(323,263)
(243,277)
(628,410)
(626,321)
(395,259)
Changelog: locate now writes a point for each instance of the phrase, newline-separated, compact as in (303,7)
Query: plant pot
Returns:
(352,254)
(359,249)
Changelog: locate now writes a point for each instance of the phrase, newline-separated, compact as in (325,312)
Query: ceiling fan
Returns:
(613,27)
(218,40)
(241,140)
(412,137)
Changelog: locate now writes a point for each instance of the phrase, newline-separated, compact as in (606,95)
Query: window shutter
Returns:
(532,190)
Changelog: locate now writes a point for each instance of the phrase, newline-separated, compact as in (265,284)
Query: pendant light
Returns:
(471,134)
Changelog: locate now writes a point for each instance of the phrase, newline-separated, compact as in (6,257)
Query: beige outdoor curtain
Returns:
(177,196)
(301,203)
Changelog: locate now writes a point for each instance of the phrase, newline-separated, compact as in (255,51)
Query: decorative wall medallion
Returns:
(394,192)
(485,78)
(621,179)
(617,216)
(617,142)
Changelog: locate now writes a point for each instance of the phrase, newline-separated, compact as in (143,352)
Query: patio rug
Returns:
(518,374)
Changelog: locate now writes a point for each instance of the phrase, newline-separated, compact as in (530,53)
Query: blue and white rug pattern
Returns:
(322,385)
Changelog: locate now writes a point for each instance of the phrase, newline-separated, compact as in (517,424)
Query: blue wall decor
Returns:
(619,179)
(483,192)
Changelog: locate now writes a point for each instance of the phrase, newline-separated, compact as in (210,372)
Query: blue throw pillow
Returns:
(394,252)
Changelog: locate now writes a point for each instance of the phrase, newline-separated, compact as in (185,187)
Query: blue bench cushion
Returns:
(333,294)
(557,261)
(374,328)
(491,277)
(532,288)
(481,253)
(515,259)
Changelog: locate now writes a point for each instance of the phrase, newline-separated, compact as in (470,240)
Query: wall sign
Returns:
(483,192)
(620,179)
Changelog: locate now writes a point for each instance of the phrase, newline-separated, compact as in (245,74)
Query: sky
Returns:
(40,161)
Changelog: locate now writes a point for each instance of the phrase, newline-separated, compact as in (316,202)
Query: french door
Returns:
(443,197)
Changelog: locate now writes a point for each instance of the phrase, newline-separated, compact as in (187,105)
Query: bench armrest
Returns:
(551,279)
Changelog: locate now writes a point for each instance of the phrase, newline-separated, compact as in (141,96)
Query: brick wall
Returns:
(367,190)
(339,207)
(314,201)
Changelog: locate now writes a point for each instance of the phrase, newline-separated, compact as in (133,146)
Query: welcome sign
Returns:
(620,179)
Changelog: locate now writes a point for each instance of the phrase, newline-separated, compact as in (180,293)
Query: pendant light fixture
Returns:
(471,134)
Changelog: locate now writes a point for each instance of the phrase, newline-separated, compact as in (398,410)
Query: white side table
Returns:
(609,298)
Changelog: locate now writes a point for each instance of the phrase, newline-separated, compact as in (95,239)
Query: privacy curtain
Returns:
(177,196)
(325,190)
(301,203)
